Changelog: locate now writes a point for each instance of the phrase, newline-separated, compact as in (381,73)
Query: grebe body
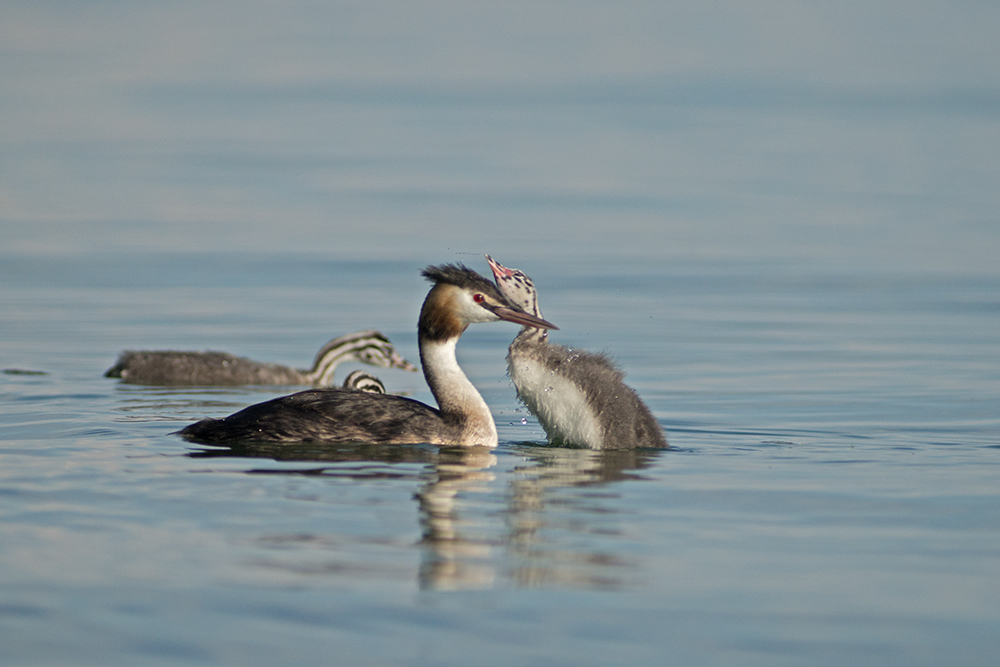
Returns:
(217,369)
(580,398)
(459,297)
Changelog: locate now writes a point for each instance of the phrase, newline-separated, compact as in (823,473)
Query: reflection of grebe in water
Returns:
(554,500)
(580,398)
(460,297)
(449,559)
(218,369)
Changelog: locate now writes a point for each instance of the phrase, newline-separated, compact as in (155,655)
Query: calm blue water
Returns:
(781,223)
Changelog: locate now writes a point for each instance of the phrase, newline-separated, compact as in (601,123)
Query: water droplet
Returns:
(524,420)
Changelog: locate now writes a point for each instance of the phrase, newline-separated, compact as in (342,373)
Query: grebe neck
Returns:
(326,363)
(458,400)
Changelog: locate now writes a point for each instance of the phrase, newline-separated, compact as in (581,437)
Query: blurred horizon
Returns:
(856,136)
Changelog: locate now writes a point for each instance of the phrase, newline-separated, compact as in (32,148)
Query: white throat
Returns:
(455,393)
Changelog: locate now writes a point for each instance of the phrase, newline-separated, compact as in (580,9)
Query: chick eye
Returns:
(478,298)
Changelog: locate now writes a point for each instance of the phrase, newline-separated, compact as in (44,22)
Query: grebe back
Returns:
(217,369)
(459,297)
(580,398)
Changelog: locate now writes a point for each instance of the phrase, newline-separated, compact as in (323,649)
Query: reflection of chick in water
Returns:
(453,560)
(547,561)
(449,560)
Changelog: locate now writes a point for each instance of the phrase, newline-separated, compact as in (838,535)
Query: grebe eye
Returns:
(478,298)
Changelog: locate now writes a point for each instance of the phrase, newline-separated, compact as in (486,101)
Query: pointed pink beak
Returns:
(499,270)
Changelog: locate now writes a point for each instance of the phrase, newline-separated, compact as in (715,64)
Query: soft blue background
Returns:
(862,133)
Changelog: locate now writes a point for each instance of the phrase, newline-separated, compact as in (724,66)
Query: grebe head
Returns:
(380,352)
(461,297)
(516,287)
(368,347)
(362,381)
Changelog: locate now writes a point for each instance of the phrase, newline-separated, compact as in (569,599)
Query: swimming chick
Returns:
(459,297)
(580,398)
(220,369)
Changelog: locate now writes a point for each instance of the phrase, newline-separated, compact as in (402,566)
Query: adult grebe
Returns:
(580,398)
(207,369)
(460,297)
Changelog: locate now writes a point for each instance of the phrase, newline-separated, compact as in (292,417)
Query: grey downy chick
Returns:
(580,398)
(218,369)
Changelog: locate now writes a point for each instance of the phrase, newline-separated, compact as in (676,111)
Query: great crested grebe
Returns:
(460,297)
(580,398)
(216,369)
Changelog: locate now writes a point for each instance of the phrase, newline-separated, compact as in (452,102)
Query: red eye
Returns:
(478,298)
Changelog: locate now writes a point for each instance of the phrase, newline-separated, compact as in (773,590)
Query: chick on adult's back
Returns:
(580,398)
